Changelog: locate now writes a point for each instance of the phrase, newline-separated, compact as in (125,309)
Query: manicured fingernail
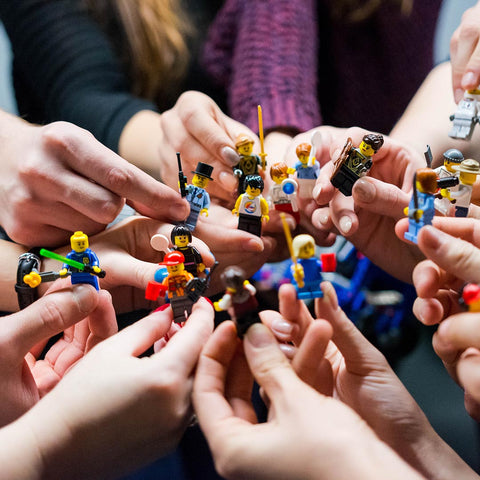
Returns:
(253,245)
(227,180)
(323,219)
(364,191)
(468,79)
(458,94)
(317,190)
(345,224)
(259,335)
(230,155)
(288,350)
(82,295)
(280,325)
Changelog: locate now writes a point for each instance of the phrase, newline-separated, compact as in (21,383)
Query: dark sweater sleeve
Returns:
(265,52)
(65,66)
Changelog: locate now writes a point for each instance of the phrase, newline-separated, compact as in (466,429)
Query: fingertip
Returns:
(230,156)
(86,297)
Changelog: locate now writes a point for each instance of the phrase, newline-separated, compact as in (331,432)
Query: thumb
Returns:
(268,364)
(48,316)
(456,256)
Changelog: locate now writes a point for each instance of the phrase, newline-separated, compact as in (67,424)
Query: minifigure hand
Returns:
(32,279)
(240,445)
(418,214)
(444,192)
(111,390)
(465,53)
(96,269)
(84,315)
(204,211)
(200,267)
(62,157)
(237,172)
(298,275)
(216,306)
(63,272)
(235,212)
(265,218)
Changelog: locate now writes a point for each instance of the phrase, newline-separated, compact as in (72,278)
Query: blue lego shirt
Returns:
(197,197)
(88,257)
(309,172)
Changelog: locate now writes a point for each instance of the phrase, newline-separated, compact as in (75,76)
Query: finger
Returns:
(269,365)
(50,315)
(461,331)
(380,197)
(343,215)
(431,311)
(309,362)
(466,228)
(428,278)
(102,322)
(467,40)
(183,350)
(454,255)
(468,372)
(471,77)
(355,348)
(109,170)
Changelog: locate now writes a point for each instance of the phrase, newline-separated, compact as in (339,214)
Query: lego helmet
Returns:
(173,258)
(453,155)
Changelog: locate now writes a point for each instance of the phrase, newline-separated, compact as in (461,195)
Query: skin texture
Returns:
(141,406)
(85,317)
(58,175)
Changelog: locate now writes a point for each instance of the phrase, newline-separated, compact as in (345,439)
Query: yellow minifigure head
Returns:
(371,143)
(303,152)
(279,172)
(303,246)
(79,242)
(174,261)
(181,236)
(253,185)
(426,180)
(202,175)
(469,169)
(244,145)
(451,158)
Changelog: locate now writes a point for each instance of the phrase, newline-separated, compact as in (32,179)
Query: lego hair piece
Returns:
(254,181)
(179,231)
(233,277)
(375,140)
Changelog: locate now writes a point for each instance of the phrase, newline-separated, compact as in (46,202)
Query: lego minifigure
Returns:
(421,209)
(466,115)
(181,237)
(307,169)
(468,170)
(251,207)
(196,194)
(249,162)
(239,299)
(306,269)
(175,285)
(354,163)
(451,158)
(470,297)
(284,193)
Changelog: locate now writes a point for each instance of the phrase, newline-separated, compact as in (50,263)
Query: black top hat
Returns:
(204,170)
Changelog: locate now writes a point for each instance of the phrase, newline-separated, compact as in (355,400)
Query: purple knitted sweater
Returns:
(306,69)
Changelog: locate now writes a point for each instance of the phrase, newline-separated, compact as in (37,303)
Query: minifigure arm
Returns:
(224,303)
(250,287)
(237,205)
(264,208)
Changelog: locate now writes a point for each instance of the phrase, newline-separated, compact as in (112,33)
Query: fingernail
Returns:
(317,190)
(253,245)
(82,294)
(468,79)
(227,180)
(323,219)
(259,335)
(458,94)
(364,190)
(329,295)
(431,238)
(230,155)
(345,224)
(280,325)
(288,350)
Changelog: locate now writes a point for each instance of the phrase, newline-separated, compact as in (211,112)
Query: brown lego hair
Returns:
(233,277)
(278,170)
(427,179)
(303,149)
(375,140)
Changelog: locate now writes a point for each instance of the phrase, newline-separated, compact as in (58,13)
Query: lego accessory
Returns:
(466,116)
(182,179)
(204,170)
(27,263)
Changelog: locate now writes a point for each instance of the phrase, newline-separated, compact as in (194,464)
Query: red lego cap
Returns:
(173,258)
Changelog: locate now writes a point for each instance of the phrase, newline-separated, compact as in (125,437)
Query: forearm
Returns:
(426,119)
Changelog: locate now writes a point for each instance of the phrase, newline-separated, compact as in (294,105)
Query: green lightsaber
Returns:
(73,263)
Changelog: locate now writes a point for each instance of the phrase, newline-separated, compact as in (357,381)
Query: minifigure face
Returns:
(79,244)
(449,165)
(366,149)
(306,251)
(278,179)
(200,181)
(175,269)
(303,159)
(252,192)
(181,240)
(245,149)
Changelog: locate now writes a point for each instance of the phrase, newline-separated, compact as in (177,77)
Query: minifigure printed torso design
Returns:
(249,164)
(192,258)
(198,198)
(312,268)
(250,205)
(87,257)
(306,172)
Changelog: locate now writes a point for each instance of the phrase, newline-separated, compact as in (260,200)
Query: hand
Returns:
(201,132)
(115,412)
(57,176)
(367,218)
(84,315)
(364,381)
(465,53)
(130,262)
(305,429)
